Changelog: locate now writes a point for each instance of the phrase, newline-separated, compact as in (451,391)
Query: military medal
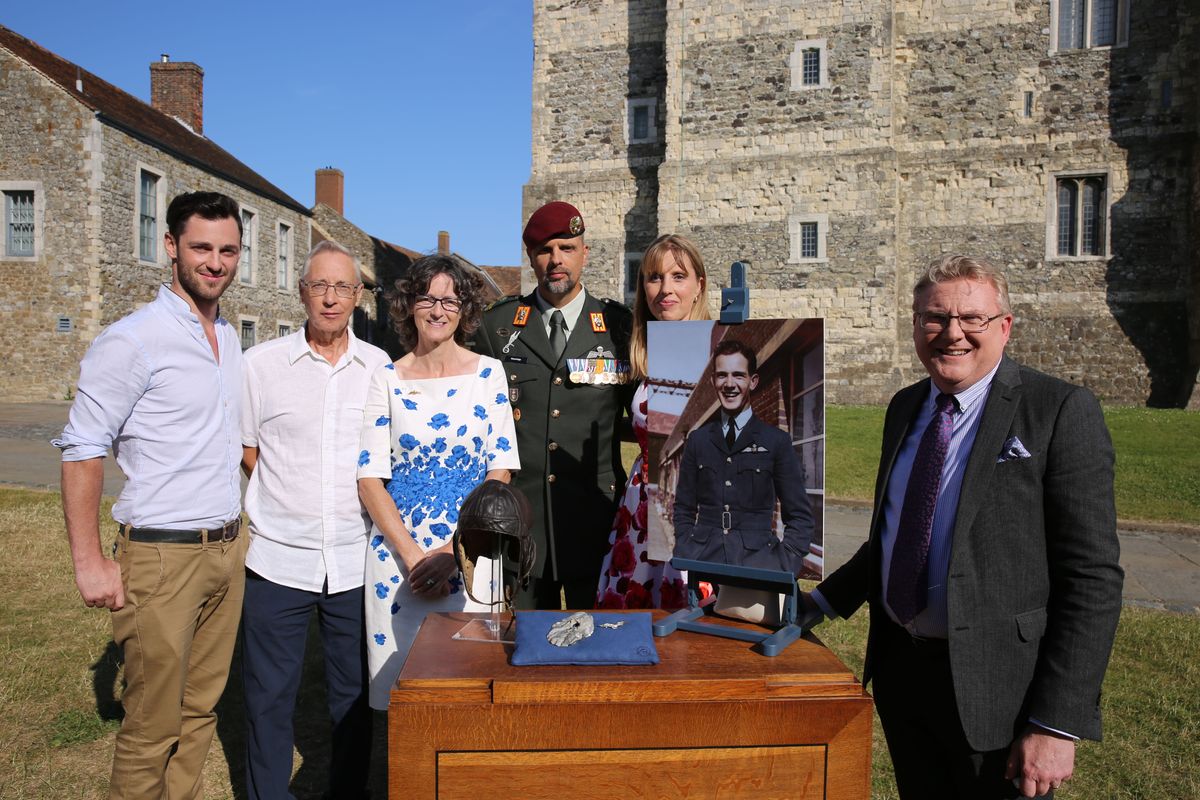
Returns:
(598,325)
(522,316)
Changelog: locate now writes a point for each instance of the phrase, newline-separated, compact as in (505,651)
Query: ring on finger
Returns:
(430,581)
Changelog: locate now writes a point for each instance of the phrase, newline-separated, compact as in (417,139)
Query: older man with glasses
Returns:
(302,414)
(991,568)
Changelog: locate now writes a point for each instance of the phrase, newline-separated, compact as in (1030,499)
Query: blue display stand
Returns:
(699,619)
(735,300)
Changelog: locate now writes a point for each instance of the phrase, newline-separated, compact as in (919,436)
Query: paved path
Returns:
(1162,567)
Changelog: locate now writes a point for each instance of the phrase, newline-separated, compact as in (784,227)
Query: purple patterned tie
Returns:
(909,577)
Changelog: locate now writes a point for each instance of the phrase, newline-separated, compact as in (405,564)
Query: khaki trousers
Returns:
(177,632)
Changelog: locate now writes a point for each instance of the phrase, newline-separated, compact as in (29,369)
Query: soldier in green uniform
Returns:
(566,356)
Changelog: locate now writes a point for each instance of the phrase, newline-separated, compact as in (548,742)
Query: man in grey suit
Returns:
(991,570)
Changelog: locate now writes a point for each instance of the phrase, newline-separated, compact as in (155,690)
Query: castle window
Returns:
(284,329)
(809,66)
(633,274)
(19,229)
(640,127)
(147,215)
(1080,216)
(249,334)
(249,246)
(1083,24)
(806,235)
(284,250)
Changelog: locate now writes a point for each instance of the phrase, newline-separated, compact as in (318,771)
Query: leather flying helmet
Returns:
(495,519)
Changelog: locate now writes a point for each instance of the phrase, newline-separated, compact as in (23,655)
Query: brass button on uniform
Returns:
(552,446)
(558,380)
(512,377)
(555,413)
(549,479)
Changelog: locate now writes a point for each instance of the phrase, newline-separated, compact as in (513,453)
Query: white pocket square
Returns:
(1012,449)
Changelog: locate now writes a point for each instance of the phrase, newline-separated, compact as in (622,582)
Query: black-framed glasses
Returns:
(426,301)
(319,288)
(936,321)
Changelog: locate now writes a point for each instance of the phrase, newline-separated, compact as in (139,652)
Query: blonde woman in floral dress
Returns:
(672,287)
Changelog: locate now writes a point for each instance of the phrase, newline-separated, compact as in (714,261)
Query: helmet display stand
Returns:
(496,626)
(494,519)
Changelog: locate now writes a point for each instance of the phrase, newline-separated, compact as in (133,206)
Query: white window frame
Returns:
(248,268)
(796,62)
(1052,253)
(283,254)
(243,320)
(1120,33)
(160,214)
(795,225)
(39,218)
(651,106)
(627,263)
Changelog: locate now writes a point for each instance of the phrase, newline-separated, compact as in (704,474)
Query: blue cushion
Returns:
(632,643)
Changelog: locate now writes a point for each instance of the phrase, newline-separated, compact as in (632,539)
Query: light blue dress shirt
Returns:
(151,389)
(932,621)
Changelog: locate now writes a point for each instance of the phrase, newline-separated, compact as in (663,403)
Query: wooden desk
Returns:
(712,720)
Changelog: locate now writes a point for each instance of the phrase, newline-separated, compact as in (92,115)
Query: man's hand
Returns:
(431,575)
(1040,760)
(99,585)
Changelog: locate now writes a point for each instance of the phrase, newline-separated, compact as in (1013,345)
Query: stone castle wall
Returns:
(87,271)
(46,145)
(919,144)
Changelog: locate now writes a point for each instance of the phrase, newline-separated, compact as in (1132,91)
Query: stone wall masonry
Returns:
(919,146)
(129,282)
(44,139)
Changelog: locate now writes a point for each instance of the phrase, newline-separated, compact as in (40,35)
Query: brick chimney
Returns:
(331,188)
(177,89)
(444,243)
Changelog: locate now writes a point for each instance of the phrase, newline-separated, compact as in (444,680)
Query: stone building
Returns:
(383,262)
(839,146)
(86,172)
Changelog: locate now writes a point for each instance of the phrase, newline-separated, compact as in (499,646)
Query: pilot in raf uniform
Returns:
(566,356)
(733,469)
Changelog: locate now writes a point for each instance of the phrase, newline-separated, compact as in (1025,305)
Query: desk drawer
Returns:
(763,773)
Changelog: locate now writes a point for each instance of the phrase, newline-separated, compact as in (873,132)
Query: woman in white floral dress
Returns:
(672,287)
(436,424)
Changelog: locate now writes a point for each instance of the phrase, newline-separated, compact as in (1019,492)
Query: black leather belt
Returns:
(226,533)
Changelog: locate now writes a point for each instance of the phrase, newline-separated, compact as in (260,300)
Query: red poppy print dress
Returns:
(628,578)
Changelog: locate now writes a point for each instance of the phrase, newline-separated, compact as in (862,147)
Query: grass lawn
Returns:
(1158,460)
(59,674)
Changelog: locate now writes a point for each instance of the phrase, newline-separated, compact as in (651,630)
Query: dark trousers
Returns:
(274,632)
(914,695)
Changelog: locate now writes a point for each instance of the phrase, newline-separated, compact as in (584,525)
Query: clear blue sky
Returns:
(425,106)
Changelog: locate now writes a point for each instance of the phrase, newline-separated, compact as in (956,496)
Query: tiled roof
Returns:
(138,119)
(508,279)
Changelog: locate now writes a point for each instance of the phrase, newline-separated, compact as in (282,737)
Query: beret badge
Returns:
(576,225)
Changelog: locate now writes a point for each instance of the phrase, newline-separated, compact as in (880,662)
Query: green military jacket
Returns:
(568,425)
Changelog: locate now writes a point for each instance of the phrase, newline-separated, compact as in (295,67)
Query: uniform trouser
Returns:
(274,631)
(176,632)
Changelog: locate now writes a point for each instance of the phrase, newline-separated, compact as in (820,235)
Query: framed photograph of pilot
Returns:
(736,424)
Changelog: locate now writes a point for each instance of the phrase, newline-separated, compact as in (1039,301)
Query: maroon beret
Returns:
(557,220)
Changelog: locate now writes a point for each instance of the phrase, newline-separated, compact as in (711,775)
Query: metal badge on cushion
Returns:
(571,630)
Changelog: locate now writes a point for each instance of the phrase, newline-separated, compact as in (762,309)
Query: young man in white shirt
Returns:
(302,414)
(162,388)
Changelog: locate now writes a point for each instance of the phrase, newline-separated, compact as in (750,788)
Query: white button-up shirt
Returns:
(304,415)
(152,390)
